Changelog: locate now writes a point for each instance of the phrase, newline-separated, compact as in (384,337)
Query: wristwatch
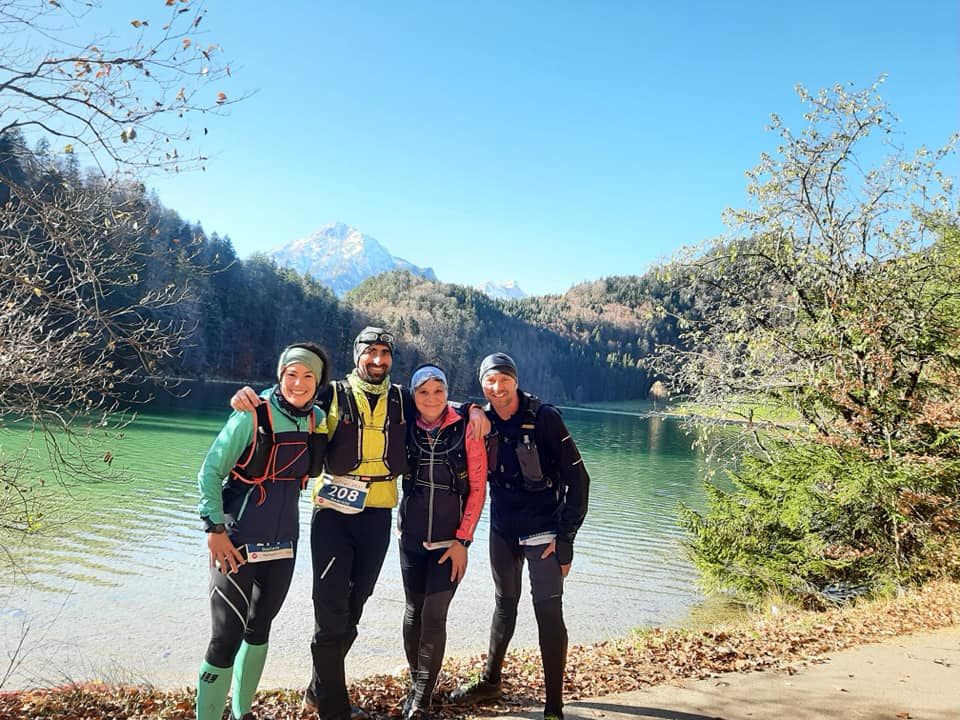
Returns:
(465,543)
(212,527)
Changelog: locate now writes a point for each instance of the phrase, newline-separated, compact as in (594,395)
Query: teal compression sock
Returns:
(247,669)
(212,686)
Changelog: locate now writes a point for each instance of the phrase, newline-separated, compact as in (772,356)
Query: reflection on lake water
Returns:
(117,588)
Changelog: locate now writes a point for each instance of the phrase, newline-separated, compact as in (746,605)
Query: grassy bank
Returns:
(643,659)
(742,414)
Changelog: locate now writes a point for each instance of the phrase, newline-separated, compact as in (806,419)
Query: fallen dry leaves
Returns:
(648,658)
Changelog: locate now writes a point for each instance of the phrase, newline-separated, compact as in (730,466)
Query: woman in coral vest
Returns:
(443,495)
(250,483)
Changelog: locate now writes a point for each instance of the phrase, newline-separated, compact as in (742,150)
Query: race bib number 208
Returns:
(342,494)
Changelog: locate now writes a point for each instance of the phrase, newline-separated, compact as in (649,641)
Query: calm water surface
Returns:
(117,588)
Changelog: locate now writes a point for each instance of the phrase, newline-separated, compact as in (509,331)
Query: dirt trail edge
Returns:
(912,677)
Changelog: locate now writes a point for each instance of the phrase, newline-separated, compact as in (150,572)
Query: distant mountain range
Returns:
(507,290)
(342,257)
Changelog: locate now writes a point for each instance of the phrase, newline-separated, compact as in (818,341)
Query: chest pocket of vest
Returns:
(374,445)
(439,460)
(274,456)
(289,460)
(529,459)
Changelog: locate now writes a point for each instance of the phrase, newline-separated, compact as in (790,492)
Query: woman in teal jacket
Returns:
(250,483)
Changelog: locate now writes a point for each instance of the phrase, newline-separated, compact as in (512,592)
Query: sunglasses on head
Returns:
(374,338)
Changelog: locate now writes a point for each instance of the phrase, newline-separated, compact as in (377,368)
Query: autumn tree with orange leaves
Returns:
(835,302)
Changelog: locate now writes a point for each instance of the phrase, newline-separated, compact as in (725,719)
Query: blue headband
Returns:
(427,372)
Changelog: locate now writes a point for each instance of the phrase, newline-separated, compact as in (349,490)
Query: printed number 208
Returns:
(347,494)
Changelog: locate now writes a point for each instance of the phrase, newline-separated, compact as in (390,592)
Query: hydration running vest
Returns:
(290,455)
(533,477)
(442,464)
(353,442)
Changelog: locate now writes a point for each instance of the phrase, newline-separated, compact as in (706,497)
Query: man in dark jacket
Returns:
(538,500)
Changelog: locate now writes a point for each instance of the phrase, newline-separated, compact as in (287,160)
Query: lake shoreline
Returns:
(648,657)
(138,548)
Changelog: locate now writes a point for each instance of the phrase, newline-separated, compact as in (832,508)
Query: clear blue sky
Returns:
(550,142)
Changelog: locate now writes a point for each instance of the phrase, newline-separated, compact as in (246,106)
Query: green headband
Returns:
(298,354)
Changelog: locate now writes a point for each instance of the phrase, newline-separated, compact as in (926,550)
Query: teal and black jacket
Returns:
(252,475)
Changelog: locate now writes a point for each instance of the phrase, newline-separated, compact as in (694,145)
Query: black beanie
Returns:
(498,362)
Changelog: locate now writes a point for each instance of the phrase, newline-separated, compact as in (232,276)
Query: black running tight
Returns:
(546,587)
(243,605)
(428,591)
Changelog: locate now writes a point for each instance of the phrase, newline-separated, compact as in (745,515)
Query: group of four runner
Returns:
(357,436)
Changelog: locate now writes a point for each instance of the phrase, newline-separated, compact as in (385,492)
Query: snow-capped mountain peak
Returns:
(506,290)
(341,257)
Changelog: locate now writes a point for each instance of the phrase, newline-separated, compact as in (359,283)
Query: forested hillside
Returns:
(580,346)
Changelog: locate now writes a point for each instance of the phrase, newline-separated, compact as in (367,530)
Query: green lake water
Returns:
(115,588)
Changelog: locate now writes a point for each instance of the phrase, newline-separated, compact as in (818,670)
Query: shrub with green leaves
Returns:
(819,524)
